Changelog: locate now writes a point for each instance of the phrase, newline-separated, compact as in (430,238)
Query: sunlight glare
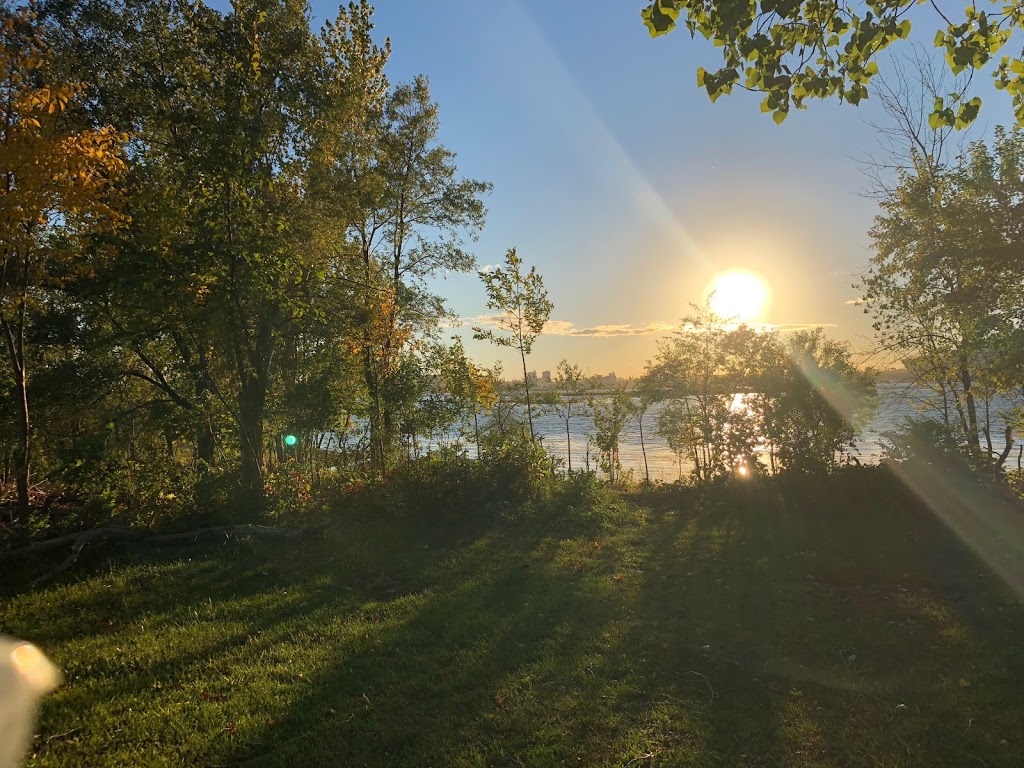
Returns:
(738,295)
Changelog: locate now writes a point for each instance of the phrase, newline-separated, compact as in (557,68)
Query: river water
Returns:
(895,403)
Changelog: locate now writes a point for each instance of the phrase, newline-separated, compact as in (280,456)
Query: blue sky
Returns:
(620,180)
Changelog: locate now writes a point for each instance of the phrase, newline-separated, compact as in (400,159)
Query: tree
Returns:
(568,396)
(455,390)
(55,178)
(701,370)
(817,400)
(238,120)
(800,50)
(524,307)
(611,413)
(906,92)
(409,215)
(639,405)
(501,408)
(944,285)
(736,393)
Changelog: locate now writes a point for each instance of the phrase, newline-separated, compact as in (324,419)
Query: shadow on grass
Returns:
(841,623)
(802,622)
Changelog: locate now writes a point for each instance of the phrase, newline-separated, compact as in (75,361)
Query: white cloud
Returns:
(784,327)
(487,268)
(779,327)
(568,328)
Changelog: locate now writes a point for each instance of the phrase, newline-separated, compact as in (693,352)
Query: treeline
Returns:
(217,235)
(734,400)
(217,231)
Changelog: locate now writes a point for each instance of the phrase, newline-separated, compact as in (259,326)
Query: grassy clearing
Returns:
(834,625)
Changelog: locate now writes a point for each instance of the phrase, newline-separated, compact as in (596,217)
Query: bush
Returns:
(145,489)
(925,440)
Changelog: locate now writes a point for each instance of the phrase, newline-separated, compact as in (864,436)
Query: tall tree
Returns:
(944,283)
(524,308)
(54,177)
(238,119)
(410,215)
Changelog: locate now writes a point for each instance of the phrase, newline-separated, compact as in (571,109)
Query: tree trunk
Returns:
(1006,450)
(205,442)
(376,420)
(15,337)
(22,456)
(526,382)
(643,448)
(476,428)
(568,445)
(251,400)
(973,439)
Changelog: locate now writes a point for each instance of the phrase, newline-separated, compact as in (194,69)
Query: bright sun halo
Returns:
(738,295)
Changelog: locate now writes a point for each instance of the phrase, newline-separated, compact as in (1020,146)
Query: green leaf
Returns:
(660,17)
(968,113)
(779,115)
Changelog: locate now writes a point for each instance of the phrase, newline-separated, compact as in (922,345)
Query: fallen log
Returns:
(82,539)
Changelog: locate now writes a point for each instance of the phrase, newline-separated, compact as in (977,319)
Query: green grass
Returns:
(828,625)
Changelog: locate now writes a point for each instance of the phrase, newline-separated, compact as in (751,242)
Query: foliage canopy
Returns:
(793,51)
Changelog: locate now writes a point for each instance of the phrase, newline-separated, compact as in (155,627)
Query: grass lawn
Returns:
(828,625)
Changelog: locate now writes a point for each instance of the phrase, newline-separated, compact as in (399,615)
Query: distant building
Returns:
(532,375)
(604,381)
(546,376)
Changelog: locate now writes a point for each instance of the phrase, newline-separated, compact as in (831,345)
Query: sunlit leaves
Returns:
(795,50)
(944,284)
(660,17)
(523,308)
(521,301)
(56,185)
(55,176)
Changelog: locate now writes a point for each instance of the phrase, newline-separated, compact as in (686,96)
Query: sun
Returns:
(738,295)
